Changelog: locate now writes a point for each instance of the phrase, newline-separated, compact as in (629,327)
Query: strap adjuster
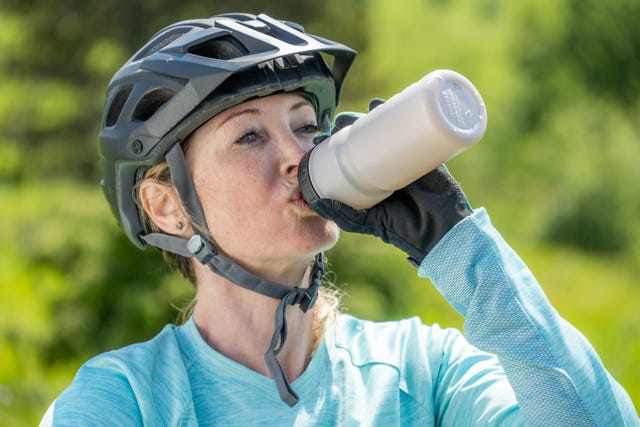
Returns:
(201,249)
(305,297)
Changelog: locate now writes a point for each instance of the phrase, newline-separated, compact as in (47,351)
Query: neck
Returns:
(239,323)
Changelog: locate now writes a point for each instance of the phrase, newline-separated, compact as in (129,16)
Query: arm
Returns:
(555,373)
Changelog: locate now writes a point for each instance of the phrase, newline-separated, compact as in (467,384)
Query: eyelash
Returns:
(310,127)
(253,134)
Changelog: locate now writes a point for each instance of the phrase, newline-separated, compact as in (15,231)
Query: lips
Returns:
(298,200)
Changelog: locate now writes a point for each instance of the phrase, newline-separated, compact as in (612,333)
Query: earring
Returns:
(180,225)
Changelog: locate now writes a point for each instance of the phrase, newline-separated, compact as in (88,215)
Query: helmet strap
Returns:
(201,247)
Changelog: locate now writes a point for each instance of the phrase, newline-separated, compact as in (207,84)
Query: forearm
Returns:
(555,373)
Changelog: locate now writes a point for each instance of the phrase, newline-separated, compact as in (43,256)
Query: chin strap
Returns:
(305,297)
(200,247)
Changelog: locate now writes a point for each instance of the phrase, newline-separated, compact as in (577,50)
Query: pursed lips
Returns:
(298,200)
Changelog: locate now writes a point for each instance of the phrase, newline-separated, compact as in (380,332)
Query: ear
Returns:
(163,206)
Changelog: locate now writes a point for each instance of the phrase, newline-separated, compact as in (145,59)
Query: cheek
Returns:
(223,200)
(230,198)
(226,182)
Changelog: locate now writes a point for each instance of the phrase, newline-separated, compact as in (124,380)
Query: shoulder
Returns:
(139,363)
(394,331)
(392,341)
(126,384)
(142,361)
(432,364)
(407,344)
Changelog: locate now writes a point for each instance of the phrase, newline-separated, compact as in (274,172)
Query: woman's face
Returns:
(244,163)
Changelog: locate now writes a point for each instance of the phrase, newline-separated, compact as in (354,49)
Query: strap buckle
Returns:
(305,297)
(201,248)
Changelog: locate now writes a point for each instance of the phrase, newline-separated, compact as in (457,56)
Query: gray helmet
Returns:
(192,70)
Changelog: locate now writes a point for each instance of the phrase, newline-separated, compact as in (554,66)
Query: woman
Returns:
(203,132)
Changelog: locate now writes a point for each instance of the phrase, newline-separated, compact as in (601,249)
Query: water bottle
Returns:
(396,143)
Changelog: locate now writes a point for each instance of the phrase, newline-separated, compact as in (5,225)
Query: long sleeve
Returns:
(555,373)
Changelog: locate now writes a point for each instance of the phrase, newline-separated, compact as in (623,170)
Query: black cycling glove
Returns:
(413,218)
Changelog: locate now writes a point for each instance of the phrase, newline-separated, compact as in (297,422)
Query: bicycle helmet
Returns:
(186,74)
(190,71)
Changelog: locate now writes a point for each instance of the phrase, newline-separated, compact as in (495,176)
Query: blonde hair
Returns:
(329,297)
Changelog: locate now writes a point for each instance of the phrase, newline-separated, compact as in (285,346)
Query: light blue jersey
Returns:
(539,369)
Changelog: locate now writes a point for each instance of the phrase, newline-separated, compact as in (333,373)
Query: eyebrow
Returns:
(300,104)
(294,107)
(239,113)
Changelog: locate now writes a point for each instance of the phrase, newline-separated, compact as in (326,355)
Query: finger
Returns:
(375,102)
(344,120)
(321,137)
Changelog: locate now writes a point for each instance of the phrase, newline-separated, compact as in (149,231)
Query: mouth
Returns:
(298,201)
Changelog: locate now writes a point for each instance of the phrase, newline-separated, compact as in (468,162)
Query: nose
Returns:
(292,148)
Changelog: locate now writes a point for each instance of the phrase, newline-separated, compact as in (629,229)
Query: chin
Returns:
(331,236)
(321,237)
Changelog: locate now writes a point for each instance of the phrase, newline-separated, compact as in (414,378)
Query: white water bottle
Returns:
(396,143)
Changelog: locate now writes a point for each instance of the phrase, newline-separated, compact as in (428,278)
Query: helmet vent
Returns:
(150,103)
(116,105)
(225,47)
(161,41)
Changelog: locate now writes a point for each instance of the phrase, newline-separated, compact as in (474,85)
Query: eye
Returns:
(309,129)
(250,137)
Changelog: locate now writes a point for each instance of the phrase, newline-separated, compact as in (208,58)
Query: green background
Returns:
(557,169)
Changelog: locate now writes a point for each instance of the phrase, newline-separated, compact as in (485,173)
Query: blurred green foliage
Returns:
(557,169)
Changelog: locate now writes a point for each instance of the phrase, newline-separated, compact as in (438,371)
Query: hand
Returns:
(414,218)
